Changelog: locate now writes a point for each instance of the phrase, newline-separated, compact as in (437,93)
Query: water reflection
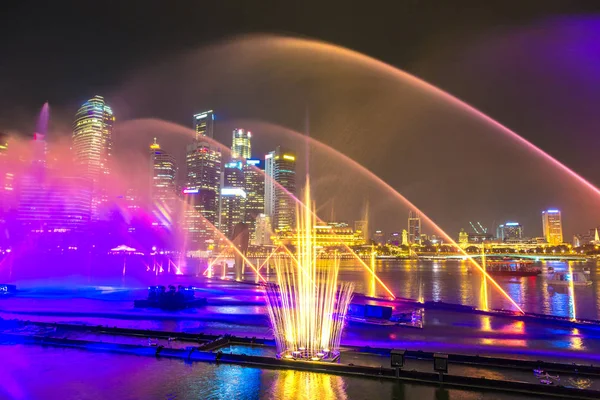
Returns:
(450,281)
(307,385)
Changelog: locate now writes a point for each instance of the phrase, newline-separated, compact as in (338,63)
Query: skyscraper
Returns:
(509,231)
(92,147)
(255,193)
(163,186)
(204,124)
(232,197)
(50,201)
(240,146)
(232,209)
(202,183)
(280,188)
(552,226)
(414,227)
(6,176)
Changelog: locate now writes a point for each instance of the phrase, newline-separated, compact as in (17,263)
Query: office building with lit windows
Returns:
(163,185)
(280,189)
(92,148)
(199,218)
(241,147)
(552,226)
(509,231)
(202,185)
(232,209)
(255,193)
(204,124)
(414,227)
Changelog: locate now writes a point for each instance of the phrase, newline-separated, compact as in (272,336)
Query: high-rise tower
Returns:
(414,227)
(240,146)
(202,183)
(204,124)
(552,226)
(163,186)
(92,147)
(280,188)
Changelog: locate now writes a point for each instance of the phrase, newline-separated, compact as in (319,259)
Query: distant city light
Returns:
(288,157)
(233,192)
(186,191)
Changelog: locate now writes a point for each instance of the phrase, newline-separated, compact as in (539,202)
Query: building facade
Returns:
(92,148)
(509,231)
(202,185)
(280,189)
(414,227)
(241,146)
(552,226)
(204,123)
(163,186)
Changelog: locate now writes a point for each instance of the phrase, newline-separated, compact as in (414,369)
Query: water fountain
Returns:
(306,308)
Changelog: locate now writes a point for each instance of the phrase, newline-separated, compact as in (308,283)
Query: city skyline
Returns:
(212,174)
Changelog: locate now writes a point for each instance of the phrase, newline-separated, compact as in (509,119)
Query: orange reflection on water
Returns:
(302,385)
(516,328)
(575,340)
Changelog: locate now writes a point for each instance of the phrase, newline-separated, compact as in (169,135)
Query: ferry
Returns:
(508,267)
(565,278)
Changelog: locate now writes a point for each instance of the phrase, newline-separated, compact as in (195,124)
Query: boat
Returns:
(565,278)
(508,267)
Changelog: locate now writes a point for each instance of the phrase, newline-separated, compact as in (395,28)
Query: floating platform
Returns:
(7,290)
(209,350)
(170,304)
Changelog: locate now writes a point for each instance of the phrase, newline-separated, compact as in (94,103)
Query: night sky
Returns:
(532,66)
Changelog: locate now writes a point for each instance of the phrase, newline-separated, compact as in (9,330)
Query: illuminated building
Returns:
(395,239)
(198,218)
(362,228)
(240,147)
(378,237)
(92,147)
(414,227)
(509,231)
(204,124)
(334,234)
(231,201)
(232,209)
(50,203)
(254,185)
(263,232)
(6,175)
(203,164)
(480,237)
(463,238)
(233,175)
(552,226)
(202,185)
(280,188)
(163,186)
